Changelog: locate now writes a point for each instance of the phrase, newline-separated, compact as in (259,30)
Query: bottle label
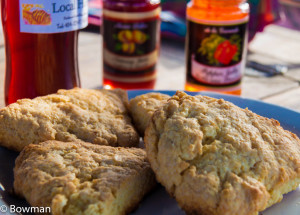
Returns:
(53,16)
(215,52)
(131,42)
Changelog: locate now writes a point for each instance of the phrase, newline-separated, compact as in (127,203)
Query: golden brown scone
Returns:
(217,158)
(142,108)
(82,178)
(96,116)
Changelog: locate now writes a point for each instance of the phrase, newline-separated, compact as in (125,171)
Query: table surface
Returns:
(279,90)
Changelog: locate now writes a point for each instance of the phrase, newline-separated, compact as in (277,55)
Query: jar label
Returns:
(131,42)
(215,52)
(53,16)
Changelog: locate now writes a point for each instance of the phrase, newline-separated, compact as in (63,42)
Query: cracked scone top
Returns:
(143,106)
(96,116)
(76,178)
(216,158)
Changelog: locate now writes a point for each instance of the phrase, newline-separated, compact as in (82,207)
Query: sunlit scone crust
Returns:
(217,158)
(96,116)
(142,107)
(82,178)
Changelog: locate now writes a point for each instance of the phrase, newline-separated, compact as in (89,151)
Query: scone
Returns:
(216,158)
(96,116)
(142,107)
(82,178)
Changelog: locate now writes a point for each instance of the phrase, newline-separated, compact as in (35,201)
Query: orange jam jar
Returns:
(216,45)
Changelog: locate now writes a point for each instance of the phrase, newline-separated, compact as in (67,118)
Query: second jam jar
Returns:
(131,38)
(216,45)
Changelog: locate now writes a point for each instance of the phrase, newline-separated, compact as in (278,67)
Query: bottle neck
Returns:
(210,4)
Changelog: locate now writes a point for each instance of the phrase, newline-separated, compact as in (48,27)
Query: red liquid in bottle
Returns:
(36,64)
(130,43)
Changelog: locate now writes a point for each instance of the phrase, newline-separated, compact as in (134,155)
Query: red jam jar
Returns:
(131,41)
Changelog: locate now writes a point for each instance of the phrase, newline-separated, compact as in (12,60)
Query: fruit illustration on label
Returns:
(128,48)
(129,41)
(225,52)
(219,50)
(125,36)
(36,17)
(139,37)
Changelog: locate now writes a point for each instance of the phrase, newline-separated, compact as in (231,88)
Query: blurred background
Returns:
(263,12)
(272,21)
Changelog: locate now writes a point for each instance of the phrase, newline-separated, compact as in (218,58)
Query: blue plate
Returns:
(159,202)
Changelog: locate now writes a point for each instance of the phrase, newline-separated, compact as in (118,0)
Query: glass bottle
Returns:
(41,39)
(131,40)
(216,45)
